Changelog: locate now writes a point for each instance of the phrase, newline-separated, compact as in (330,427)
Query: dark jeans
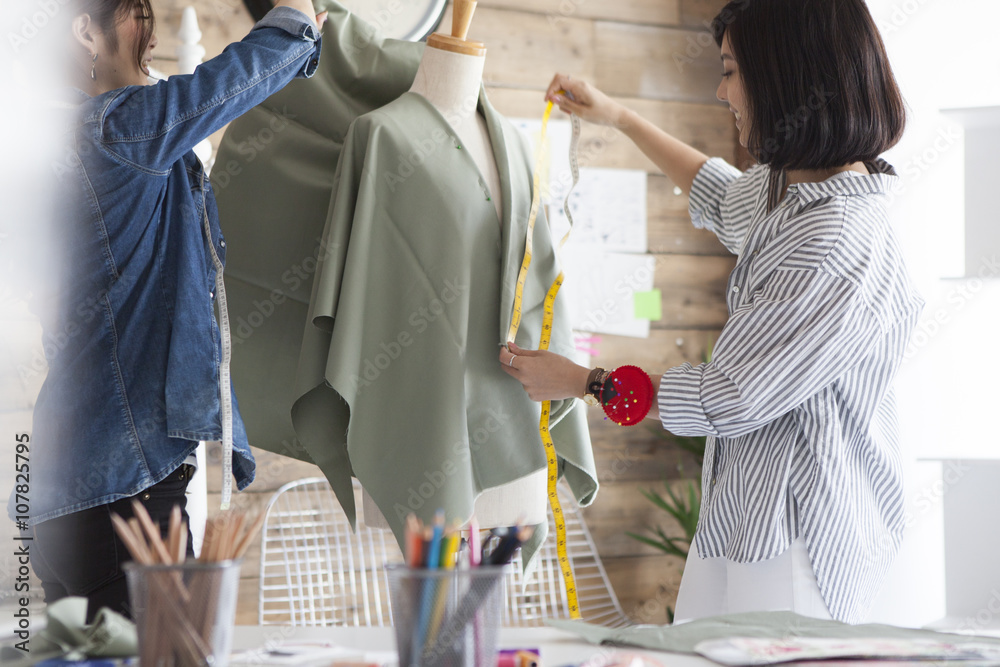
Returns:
(80,554)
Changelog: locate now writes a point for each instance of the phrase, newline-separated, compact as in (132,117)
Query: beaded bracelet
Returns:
(627,395)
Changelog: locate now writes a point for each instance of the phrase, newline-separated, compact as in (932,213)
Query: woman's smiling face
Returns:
(118,61)
(124,67)
(731,90)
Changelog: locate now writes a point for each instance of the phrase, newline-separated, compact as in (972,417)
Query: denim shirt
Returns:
(129,328)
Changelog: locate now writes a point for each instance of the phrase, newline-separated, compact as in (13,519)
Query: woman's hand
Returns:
(587,102)
(546,376)
(304,6)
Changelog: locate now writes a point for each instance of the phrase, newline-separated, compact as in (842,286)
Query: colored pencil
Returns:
(474,599)
(430,583)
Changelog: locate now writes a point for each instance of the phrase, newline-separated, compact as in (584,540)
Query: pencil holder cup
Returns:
(446,617)
(184,614)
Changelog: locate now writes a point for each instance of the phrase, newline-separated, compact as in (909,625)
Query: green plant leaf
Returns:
(655,498)
(665,544)
(684,507)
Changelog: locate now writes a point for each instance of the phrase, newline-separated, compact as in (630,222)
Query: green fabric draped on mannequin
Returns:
(370,285)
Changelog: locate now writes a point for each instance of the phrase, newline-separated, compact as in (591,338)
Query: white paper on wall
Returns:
(608,205)
(600,288)
(609,210)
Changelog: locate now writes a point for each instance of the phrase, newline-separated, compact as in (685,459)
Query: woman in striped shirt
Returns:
(802,504)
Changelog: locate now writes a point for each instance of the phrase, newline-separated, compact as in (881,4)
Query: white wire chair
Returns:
(315,571)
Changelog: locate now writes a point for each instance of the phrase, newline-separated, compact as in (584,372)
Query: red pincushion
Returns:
(627,396)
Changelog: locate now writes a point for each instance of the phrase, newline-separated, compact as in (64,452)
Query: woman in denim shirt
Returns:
(134,351)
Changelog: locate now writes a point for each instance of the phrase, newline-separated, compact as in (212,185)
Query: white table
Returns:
(558,648)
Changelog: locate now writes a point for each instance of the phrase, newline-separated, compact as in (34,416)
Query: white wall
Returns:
(28,50)
(944,57)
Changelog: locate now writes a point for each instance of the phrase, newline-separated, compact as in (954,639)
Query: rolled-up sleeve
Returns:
(298,25)
(801,331)
(151,127)
(723,200)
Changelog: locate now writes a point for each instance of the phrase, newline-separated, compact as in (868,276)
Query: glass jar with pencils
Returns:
(446,616)
(447,598)
(184,609)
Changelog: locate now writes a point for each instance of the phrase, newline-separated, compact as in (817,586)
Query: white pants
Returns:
(714,586)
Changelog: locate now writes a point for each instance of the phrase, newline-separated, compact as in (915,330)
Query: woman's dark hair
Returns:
(109,14)
(819,89)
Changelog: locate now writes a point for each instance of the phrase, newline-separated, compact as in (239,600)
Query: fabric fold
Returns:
(683,638)
(375,287)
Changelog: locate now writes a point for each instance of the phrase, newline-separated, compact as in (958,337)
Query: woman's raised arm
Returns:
(151,127)
(679,161)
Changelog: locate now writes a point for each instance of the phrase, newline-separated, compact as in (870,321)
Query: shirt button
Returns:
(222,243)
(146,496)
(211,295)
(736,288)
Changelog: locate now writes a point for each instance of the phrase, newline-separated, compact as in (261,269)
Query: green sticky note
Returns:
(648,305)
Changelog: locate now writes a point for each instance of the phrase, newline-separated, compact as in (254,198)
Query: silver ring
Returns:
(511,362)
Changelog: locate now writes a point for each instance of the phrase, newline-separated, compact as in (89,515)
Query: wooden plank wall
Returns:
(657,56)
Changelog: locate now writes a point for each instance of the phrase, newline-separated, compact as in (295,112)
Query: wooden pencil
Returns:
(174,534)
(250,535)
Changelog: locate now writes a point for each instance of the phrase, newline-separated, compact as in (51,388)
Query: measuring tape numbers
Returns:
(225,384)
(552,463)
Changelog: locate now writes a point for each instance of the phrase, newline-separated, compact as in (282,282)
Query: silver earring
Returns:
(93,68)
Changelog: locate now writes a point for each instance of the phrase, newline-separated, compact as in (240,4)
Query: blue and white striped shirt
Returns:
(797,399)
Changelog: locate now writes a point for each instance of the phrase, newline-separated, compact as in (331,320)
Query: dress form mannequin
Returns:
(449,77)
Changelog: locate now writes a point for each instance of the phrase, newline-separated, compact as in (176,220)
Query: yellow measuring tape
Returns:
(552,462)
